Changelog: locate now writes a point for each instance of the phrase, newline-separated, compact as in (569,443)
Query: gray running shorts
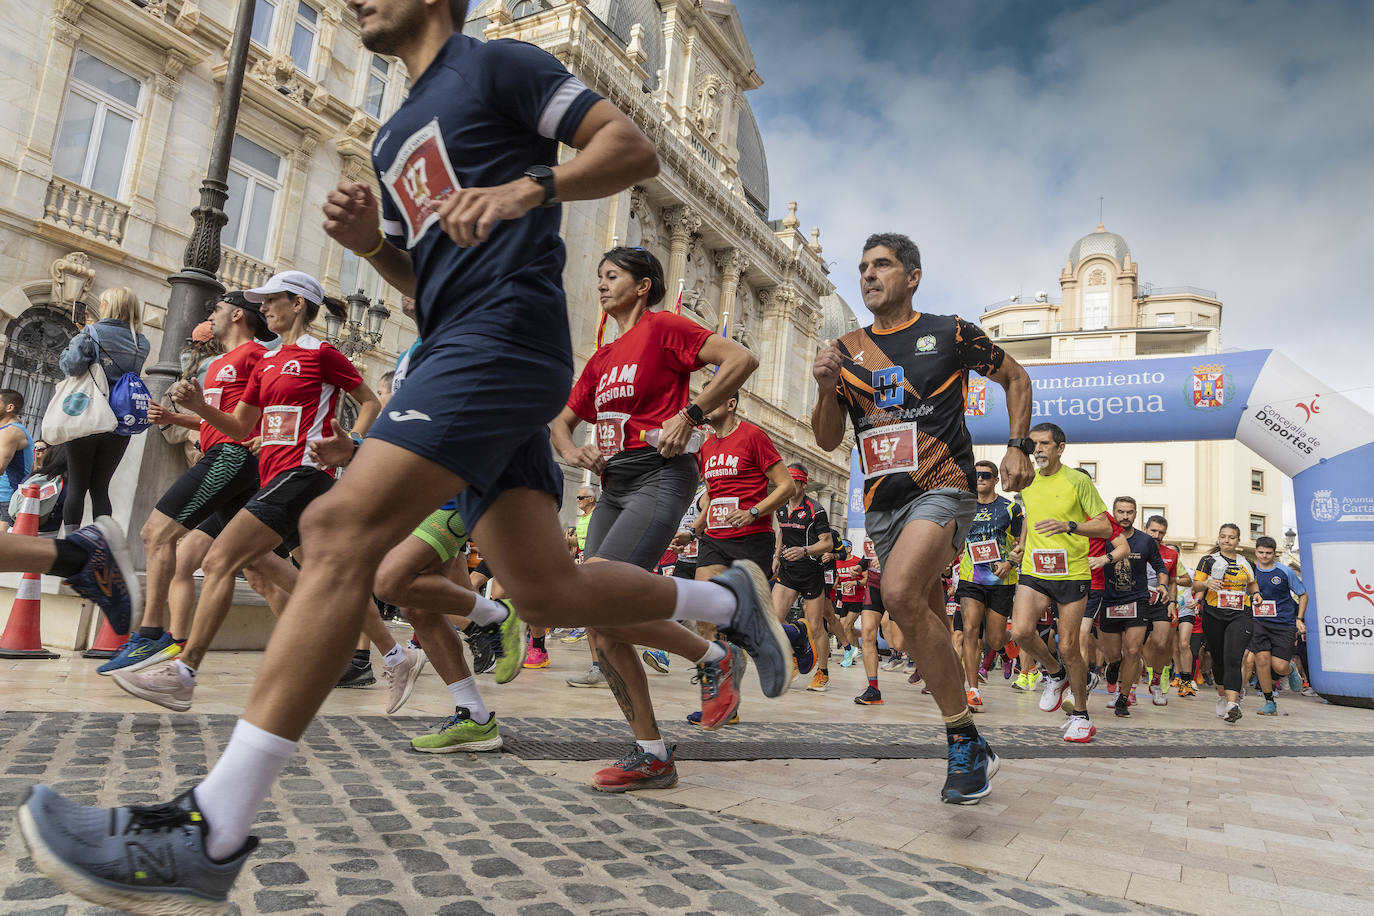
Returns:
(639,510)
(940,506)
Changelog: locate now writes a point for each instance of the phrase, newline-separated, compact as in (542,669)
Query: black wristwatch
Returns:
(754,511)
(1025,445)
(1073,527)
(543,176)
(695,414)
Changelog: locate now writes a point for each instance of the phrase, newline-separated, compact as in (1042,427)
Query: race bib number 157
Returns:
(888,449)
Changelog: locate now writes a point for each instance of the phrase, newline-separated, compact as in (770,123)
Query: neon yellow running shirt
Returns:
(1067,495)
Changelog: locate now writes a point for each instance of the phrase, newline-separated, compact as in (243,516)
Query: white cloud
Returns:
(1231,142)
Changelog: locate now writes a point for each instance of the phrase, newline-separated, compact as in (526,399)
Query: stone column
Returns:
(732,264)
(681,221)
(288,246)
(777,332)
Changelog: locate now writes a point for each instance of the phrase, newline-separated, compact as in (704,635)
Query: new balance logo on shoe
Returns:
(411,414)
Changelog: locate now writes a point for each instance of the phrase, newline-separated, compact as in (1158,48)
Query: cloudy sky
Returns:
(1233,144)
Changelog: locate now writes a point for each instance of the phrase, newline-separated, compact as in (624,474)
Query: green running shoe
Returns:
(510,654)
(459,733)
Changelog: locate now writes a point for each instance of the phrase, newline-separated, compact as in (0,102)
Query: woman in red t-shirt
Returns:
(635,388)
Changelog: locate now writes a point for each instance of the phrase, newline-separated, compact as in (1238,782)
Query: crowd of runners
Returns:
(696,540)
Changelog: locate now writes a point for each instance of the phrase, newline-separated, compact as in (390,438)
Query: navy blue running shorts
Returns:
(480,407)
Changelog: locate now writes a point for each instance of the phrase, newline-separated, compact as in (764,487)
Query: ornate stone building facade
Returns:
(101,158)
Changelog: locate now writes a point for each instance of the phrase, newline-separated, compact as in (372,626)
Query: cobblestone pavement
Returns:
(360,825)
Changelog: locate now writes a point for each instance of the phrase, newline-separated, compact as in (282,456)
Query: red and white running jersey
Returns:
(225,380)
(851,578)
(736,473)
(298,388)
(1101,547)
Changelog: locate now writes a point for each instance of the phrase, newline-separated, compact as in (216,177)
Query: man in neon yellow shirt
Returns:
(1063,510)
(586,503)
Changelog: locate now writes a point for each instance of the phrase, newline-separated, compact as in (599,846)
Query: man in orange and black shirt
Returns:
(902,383)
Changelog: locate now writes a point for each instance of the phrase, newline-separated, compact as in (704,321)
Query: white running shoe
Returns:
(1221,708)
(1157,696)
(1111,699)
(401,678)
(1079,730)
(1053,696)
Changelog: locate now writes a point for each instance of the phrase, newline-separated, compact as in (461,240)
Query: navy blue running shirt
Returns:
(478,116)
(1277,586)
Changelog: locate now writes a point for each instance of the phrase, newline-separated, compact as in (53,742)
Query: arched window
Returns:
(37,339)
(523,8)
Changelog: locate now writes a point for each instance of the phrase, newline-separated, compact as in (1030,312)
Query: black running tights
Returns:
(1228,640)
(91,464)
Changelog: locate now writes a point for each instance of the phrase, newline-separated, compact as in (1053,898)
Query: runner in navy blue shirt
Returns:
(1125,610)
(470,203)
(1278,620)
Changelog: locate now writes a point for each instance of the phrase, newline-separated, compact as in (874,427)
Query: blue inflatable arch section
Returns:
(1263,400)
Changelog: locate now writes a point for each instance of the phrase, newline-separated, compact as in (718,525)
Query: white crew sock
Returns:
(231,796)
(714,653)
(186,673)
(465,694)
(395,656)
(658,748)
(486,611)
(704,601)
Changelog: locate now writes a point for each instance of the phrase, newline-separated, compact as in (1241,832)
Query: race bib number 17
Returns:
(419,179)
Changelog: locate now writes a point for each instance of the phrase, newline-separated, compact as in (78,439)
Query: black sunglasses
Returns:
(985,475)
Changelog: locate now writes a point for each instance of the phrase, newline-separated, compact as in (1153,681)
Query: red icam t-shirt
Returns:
(1099,547)
(638,381)
(225,379)
(849,584)
(298,388)
(736,472)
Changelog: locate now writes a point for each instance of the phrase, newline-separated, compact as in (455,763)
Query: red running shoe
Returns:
(720,686)
(637,770)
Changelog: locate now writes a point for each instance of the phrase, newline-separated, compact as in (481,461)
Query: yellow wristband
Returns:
(381,240)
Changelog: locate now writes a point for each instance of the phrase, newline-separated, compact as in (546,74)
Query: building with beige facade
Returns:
(106,122)
(1104,312)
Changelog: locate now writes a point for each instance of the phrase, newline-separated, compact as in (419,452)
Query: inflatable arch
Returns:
(1263,400)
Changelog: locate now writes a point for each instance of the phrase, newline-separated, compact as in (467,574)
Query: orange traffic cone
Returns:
(21,638)
(107,642)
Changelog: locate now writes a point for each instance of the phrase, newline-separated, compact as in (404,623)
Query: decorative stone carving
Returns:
(816,239)
(731,262)
(188,17)
(635,49)
(1098,277)
(681,221)
(156,8)
(790,221)
(72,276)
(706,112)
(279,72)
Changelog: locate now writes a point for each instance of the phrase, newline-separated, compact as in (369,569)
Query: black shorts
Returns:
(685,569)
(958,618)
(279,505)
(1156,612)
(874,601)
(1060,591)
(220,483)
(724,551)
(1279,641)
(1096,598)
(995,598)
(849,607)
(805,578)
(1114,624)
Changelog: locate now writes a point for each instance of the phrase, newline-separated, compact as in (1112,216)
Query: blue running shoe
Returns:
(577,634)
(141,652)
(971,766)
(134,859)
(108,577)
(656,659)
(1270,708)
(800,638)
(754,628)
(849,654)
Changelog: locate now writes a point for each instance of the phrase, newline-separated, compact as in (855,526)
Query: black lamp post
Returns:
(195,285)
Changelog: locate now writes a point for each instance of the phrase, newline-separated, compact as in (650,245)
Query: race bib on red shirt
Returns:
(281,425)
(720,510)
(610,433)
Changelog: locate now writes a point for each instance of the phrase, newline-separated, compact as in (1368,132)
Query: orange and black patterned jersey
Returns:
(905,391)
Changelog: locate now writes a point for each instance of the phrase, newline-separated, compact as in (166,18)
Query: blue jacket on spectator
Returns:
(119,350)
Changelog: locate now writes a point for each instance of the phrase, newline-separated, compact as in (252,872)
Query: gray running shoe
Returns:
(755,628)
(135,859)
(594,677)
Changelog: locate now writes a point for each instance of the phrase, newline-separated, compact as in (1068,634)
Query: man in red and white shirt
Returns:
(293,393)
(738,463)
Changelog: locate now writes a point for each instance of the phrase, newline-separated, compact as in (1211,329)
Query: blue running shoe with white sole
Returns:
(135,859)
(754,628)
(656,659)
(141,652)
(108,577)
(970,768)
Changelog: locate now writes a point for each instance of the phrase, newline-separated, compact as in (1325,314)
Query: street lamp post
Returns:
(195,285)
(362,331)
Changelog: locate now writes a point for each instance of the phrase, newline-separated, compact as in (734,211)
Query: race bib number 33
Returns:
(888,449)
(281,425)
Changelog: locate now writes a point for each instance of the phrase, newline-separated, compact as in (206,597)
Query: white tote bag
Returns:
(79,407)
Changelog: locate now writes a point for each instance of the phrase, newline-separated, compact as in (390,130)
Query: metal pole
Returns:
(195,285)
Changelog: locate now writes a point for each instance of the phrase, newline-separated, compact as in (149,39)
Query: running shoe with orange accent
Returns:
(720,686)
(820,682)
(975,700)
(871,696)
(536,658)
(637,770)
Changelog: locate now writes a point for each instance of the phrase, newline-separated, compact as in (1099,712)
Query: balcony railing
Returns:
(93,215)
(238,271)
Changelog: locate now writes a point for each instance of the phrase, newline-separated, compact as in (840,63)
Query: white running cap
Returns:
(295,282)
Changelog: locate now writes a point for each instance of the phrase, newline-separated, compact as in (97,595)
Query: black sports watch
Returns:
(543,176)
(1025,445)
(695,414)
(1073,527)
(754,511)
